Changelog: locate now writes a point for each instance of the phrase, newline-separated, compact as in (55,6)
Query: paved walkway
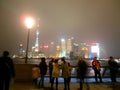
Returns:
(74,86)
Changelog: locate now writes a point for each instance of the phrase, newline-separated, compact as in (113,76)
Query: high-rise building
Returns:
(35,49)
(69,46)
(63,48)
(76,49)
(84,50)
(37,38)
(57,51)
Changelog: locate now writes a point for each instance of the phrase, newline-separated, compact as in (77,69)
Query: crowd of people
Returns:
(54,72)
(82,67)
(40,70)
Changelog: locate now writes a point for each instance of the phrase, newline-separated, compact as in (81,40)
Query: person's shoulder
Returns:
(98,61)
(10,58)
(109,61)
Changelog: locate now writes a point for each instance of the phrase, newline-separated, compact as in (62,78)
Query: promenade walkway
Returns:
(88,85)
(74,86)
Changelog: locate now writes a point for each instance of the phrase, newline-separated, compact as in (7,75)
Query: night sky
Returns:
(85,20)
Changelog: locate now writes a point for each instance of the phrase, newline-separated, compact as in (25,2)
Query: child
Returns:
(35,73)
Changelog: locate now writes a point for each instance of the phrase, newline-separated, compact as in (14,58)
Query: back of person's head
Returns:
(95,58)
(43,59)
(111,57)
(56,60)
(63,59)
(5,53)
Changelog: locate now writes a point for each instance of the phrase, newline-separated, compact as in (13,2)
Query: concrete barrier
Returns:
(23,72)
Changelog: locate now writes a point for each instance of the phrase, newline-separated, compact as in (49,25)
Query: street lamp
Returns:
(29,24)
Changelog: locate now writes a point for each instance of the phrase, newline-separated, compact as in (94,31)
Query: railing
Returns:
(23,71)
(90,73)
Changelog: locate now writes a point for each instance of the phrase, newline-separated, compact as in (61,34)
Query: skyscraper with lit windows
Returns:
(63,48)
(69,46)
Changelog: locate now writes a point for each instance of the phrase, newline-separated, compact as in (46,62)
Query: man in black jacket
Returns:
(113,66)
(81,71)
(51,69)
(43,71)
(6,71)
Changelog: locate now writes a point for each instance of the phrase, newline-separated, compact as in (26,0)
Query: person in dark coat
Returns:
(6,71)
(81,71)
(50,69)
(43,71)
(113,66)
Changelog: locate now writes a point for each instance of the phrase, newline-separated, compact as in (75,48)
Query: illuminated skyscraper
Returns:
(76,49)
(63,48)
(35,49)
(57,51)
(69,45)
(84,50)
(37,38)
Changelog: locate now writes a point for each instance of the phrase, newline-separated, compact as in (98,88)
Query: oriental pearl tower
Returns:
(37,37)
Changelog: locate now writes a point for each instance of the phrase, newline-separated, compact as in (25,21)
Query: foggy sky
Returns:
(85,20)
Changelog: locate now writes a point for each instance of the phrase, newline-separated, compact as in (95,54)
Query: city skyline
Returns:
(64,48)
(86,20)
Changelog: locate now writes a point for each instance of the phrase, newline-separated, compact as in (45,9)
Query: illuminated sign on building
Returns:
(95,49)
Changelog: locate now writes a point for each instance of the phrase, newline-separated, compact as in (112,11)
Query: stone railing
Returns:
(24,72)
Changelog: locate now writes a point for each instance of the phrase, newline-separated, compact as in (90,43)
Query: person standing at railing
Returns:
(70,69)
(43,71)
(81,71)
(35,74)
(51,69)
(55,74)
(113,66)
(65,74)
(96,67)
